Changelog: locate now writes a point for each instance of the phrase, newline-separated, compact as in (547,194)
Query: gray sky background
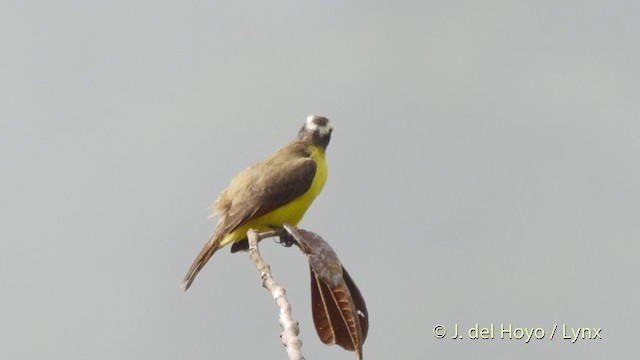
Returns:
(484,168)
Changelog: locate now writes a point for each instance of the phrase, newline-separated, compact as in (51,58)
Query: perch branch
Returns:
(291,330)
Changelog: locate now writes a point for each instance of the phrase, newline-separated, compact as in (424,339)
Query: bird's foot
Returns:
(285,239)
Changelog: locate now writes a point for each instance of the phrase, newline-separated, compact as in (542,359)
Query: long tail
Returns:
(205,254)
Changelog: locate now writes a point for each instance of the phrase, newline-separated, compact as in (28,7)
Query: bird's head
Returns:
(316,131)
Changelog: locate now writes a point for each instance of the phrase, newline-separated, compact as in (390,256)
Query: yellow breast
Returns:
(290,213)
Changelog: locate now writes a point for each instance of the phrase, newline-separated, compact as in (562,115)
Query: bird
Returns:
(270,193)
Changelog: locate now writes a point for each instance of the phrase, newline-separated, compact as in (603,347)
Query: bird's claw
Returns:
(286,240)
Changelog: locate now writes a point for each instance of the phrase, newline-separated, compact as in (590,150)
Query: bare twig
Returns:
(291,330)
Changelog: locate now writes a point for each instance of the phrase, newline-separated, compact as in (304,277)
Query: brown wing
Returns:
(269,193)
(256,191)
(269,185)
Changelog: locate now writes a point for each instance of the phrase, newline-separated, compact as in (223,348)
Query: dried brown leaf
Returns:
(339,311)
